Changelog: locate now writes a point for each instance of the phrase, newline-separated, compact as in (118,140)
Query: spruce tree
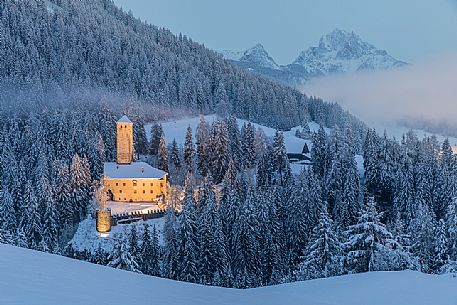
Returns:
(370,246)
(202,135)
(149,252)
(441,246)
(121,258)
(187,249)
(324,255)
(218,155)
(156,134)
(163,154)
(175,158)
(189,150)
(211,256)
(281,167)
(170,236)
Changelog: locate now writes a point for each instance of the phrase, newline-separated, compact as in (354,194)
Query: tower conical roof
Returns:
(124,119)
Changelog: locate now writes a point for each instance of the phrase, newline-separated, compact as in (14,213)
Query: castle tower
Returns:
(124,141)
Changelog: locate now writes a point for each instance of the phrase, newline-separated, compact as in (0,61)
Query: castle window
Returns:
(117,184)
(144,184)
(134,182)
(151,191)
(152,184)
(144,192)
(134,191)
(120,191)
(123,184)
(161,184)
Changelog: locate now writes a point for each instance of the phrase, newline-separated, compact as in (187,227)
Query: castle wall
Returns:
(136,190)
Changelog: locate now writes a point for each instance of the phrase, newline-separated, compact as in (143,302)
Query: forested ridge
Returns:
(95,44)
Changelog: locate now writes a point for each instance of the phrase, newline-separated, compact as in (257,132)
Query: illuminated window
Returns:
(134,182)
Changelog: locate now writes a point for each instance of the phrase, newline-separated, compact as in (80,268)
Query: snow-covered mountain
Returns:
(337,52)
(256,56)
(31,277)
(340,52)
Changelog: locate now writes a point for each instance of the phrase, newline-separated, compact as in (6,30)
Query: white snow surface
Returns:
(138,170)
(35,278)
(86,237)
(120,207)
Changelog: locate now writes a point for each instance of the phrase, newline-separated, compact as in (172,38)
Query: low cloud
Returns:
(425,91)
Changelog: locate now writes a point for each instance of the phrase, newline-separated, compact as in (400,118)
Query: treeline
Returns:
(246,221)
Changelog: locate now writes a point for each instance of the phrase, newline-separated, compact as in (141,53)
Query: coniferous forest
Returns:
(68,69)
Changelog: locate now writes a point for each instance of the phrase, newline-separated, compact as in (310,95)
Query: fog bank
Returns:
(426,91)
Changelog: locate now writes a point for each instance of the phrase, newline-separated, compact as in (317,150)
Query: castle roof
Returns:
(124,119)
(134,170)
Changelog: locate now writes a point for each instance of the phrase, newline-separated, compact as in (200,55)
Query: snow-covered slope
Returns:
(338,52)
(86,238)
(35,278)
(176,130)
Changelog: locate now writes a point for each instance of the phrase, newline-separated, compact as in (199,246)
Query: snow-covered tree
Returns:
(150,252)
(121,258)
(324,255)
(189,150)
(371,247)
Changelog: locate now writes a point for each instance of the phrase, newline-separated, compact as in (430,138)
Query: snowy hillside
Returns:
(338,52)
(86,239)
(177,130)
(30,277)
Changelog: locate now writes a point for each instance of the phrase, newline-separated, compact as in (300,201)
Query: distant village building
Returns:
(129,181)
(300,157)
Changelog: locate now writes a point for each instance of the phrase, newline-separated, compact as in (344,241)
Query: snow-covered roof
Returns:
(134,170)
(124,119)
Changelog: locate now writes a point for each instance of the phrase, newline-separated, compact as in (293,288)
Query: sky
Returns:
(410,30)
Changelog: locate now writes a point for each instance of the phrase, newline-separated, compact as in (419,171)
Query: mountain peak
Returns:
(343,51)
(338,39)
(255,56)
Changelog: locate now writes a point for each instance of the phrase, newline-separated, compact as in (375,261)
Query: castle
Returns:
(128,181)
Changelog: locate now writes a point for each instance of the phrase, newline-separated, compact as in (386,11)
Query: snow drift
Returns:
(30,277)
